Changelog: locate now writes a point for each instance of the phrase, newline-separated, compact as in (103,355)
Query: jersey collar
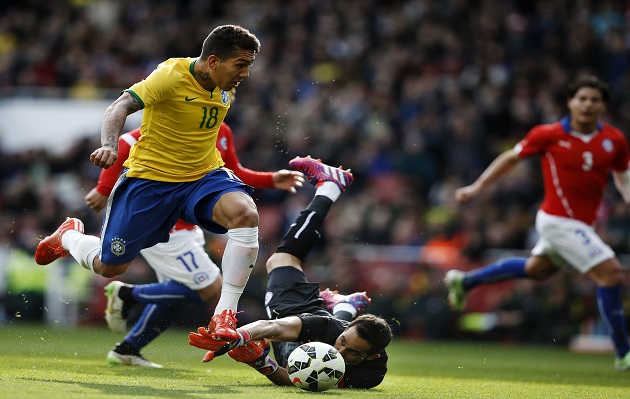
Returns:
(566,124)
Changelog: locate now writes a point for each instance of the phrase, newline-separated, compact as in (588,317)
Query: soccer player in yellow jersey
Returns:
(174,171)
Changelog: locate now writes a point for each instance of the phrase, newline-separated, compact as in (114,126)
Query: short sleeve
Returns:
(534,143)
(320,328)
(160,85)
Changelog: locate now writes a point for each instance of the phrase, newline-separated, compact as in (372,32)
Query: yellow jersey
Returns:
(180,124)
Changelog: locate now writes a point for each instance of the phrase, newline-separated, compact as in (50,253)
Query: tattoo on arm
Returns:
(133,105)
(115,117)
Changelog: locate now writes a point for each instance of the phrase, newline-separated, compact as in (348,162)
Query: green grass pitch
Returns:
(43,362)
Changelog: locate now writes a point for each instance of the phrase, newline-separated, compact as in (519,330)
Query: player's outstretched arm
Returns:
(622,183)
(497,169)
(285,330)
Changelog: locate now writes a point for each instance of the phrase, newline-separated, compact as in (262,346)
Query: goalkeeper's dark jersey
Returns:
(367,374)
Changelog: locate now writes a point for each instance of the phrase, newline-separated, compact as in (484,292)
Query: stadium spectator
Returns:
(185,271)
(294,304)
(577,154)
(175,170)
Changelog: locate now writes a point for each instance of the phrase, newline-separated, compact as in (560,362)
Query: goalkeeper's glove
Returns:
(203,339)
(255,355)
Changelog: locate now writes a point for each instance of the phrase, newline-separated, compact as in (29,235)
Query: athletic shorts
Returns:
(140,212)
(290,294)
(183,259)
(570,241)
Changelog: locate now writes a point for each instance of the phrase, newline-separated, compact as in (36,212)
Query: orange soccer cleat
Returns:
(359,300)
(50,248)
(223,326)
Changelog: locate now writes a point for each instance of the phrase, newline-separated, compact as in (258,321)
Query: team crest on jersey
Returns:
(117,246)
(225,97)
(223,143)
(594,251)
(607,145)
(564,143)
(201,277)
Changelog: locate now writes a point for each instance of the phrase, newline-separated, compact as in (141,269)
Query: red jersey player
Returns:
(184,270)
(576,154)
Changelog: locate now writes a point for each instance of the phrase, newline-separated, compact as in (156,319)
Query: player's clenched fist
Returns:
(104,157)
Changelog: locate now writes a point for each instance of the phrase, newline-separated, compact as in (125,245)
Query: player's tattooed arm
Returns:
(113,124)
(115,117)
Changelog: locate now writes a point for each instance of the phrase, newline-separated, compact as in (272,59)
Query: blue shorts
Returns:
(140,213)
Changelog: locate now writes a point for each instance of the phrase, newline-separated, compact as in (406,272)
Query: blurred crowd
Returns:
(416,97)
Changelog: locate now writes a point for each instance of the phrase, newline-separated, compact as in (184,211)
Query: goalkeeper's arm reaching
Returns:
(247,350)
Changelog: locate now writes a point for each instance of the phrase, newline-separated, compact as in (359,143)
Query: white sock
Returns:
(238,261)
(344,307)
(329,189)
(82,247)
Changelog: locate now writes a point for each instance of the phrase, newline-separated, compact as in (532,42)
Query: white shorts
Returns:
(183,259)
(570,241)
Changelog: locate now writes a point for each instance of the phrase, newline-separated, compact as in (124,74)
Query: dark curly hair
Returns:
(225,40)
(374,330)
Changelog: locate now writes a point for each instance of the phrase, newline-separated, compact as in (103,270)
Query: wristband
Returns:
(266,366)
(244,337)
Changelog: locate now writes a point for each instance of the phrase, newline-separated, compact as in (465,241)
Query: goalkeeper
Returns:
(294,305)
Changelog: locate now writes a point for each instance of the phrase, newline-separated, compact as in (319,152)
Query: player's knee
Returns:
(109,271)
(282,259)
(233,210)
(539,268)
(610,277)
(539,275)
(616,278)
(246,217)
(271,263)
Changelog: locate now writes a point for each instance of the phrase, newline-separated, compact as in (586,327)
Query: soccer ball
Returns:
(315,366)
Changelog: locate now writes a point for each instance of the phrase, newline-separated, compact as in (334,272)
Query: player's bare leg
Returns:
(236,212)
(69,239)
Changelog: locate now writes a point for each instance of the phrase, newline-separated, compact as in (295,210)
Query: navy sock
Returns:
(125,348)
(611,311)
(154,319)
(126,295)
(166,292)
(129,301)
(503,269)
